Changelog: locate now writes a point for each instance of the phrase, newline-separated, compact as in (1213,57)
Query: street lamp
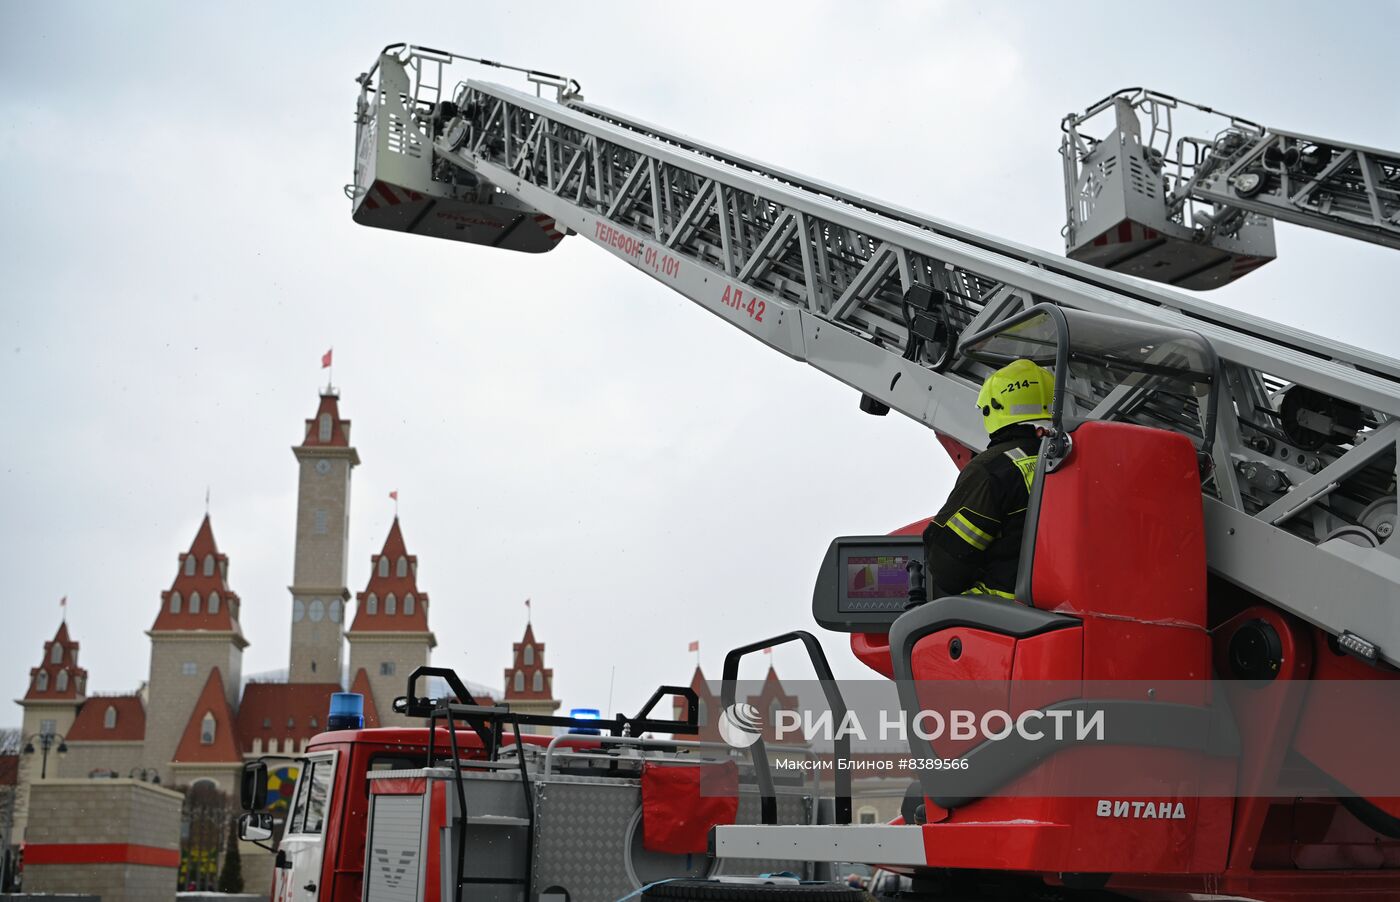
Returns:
(46,742)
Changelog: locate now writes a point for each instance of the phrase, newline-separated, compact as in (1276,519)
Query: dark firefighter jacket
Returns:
(973,545)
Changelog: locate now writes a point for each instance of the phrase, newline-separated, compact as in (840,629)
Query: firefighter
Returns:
(973,545)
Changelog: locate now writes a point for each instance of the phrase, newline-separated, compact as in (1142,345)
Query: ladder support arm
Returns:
(821,274)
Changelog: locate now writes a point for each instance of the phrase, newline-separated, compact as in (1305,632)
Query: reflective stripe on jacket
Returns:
(973,544)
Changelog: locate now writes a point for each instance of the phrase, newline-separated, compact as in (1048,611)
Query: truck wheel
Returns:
(714,891)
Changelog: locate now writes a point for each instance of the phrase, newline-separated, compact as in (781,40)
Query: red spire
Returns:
(710,705)
(209,733)
(58,675)
(361,685)
(327,429)
(772,694)
(200,598)
(392,602)
(527,663)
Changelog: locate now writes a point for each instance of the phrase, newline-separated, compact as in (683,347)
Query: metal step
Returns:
(498,820)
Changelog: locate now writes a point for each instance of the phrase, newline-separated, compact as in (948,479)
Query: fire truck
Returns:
(471,807)
(1208,557)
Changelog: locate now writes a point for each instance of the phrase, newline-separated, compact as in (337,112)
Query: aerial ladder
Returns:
(1180,193)
(1293,438)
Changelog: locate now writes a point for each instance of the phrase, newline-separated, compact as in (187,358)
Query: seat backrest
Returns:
(1117,529)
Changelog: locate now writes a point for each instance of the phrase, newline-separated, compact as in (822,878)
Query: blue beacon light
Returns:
(347,711)
(585,714)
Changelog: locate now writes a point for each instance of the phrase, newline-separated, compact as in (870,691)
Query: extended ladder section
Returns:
(1301,499)
(1180,193)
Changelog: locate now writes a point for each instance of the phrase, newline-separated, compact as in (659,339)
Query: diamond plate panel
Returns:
(582,840)
(588,840)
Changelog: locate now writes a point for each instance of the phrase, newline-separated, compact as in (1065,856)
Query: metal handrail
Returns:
(842,751)
(547,767)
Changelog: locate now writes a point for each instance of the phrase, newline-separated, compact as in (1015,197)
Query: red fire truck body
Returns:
(322,852)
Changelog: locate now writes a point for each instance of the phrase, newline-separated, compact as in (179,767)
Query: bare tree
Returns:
(205,820)
(10,740)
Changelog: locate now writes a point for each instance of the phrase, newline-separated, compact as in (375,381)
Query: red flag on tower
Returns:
(326,358)
(768,650)
(694,646)
(394,494)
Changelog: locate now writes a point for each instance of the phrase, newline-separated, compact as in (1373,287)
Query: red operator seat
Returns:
(1112,587)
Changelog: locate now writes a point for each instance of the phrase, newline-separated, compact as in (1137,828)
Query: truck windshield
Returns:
(1107,368)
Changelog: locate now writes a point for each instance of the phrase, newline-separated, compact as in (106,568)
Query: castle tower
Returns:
(529,684)
(325,458)
(56,690)
(196,632)
(710,705)
(390,635)
(771,698)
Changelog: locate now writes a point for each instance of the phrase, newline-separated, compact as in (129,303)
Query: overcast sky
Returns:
(177,253)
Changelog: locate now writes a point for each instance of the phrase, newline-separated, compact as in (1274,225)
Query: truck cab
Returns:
(321,854)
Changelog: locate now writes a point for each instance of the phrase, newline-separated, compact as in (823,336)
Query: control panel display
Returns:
(863,583)
(875,578)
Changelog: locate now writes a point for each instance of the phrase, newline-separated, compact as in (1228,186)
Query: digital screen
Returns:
(862,585)
(874,582)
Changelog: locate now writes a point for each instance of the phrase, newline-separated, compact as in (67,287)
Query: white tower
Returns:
(319,592)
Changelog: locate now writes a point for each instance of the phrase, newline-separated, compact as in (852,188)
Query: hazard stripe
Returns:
(1126,232)
(388,193)
(385,193)
(547,223)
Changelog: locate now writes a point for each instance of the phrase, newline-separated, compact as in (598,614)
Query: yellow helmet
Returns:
(1016,393)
